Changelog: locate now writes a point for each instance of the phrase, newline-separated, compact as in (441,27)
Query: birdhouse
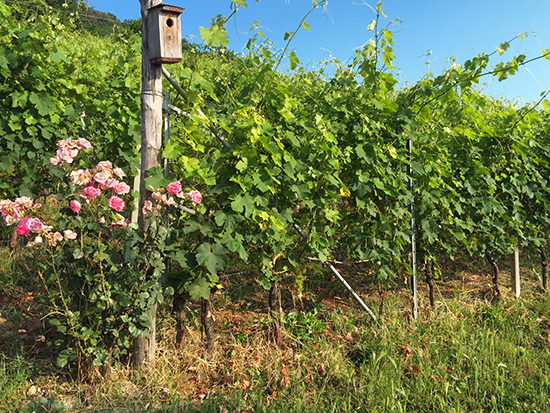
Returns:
(165,34)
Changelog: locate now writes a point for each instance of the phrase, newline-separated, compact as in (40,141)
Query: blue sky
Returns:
(442,28)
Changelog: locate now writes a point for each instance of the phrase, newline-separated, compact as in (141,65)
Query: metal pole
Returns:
(167,126)
(516,287)
(343,281)
(412,245)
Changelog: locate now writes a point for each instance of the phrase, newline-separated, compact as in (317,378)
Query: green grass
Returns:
(467,355)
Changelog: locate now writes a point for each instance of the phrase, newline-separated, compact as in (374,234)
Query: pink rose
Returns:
(22,228)
(122,188)
(57,235)
(104,165)
(66,154)
(75,206)
(84,144)
(196,197)
(90,193)
(102,220)
(119,172)
(116,203)
(102,176)
(174,187)
(56,160)
(80,177)
(24,201)
(34,224)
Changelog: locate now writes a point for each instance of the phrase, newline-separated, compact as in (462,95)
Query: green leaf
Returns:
(57,54)
(371,25)
(213,257)
(6,162)
(145,321)
(214,36)
(243,203)
(199,289)
(294,61)
(43,103)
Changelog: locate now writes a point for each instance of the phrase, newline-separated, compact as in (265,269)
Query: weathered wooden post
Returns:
(161,38)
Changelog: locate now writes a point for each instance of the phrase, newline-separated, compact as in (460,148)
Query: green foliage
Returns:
(56,88)
(312,163)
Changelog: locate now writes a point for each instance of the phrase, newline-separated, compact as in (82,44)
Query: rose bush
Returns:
(101,272)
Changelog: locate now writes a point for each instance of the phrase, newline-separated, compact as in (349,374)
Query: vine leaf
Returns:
(199,289)
(213,257)
(214,36)
(243,202)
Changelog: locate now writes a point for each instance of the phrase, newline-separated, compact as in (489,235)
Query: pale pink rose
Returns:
(181,194)
(147,207)
(66,154)
(84,144)
(80,177)
(174,187)
(36,206)
(10,212)
(90,193)
(58,235)
(119,172)
(38,240)
(68,234)
(24,201)
(116,203)
(34,224)
(44,228)
(104,165)
(11,219)
(111,183)
(156,195)
(75,206)
(122,188)
(102,220)
(196,197)
(102,176)
(56,160)
(170,201)
(121,221)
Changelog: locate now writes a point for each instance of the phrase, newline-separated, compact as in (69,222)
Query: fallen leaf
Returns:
(285,381)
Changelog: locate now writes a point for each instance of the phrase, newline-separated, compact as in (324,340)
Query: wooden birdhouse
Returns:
(165,34)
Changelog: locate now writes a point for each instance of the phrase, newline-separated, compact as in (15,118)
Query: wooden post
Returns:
(515,273)
(151,142)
